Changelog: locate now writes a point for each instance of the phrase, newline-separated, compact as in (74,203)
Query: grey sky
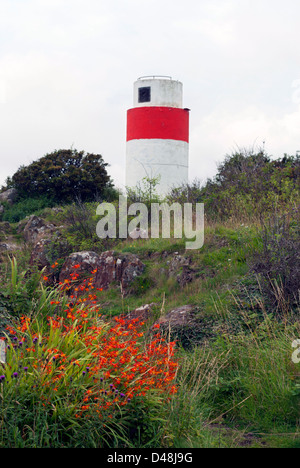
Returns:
(67,69)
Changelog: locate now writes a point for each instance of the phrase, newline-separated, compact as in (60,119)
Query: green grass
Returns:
(25,207)
(238,387)
(242,380)
(217,268)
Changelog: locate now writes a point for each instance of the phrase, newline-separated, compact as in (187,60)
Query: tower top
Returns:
(157,91)
(154,77)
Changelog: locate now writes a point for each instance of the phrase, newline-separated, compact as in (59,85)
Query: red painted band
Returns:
(169,123)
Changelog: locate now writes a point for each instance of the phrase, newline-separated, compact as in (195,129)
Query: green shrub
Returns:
(63,175)
(277,262)
(25,207)
(248,185)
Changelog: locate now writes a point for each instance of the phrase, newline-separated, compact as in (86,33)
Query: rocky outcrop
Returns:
(111,268)
(39,254)
(37,229)
(7,241)
(87,261)
(9,196)
(142,313)
(185,325)
(181,316)
(9,247)
(119,268)
(5,227)
(39,235)
(181,267)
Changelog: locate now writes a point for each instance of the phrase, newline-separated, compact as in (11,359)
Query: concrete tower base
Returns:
(167,159)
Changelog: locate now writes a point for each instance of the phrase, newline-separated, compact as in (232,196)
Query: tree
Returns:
(64,176)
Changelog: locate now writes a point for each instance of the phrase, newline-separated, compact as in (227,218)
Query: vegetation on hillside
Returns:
(60,177)
(228,380)
(248,185)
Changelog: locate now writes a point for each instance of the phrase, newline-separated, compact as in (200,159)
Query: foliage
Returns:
(246,379)
(63,176)
(278,260)
(231,374)
(80,220)
(69,369)
(256,382)
(25,207)
(24,294)
(145,192)
(186,193)
(248,185)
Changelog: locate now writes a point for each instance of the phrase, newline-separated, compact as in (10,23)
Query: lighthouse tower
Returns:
(157,134)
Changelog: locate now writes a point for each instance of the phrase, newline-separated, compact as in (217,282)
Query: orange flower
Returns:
(116,353)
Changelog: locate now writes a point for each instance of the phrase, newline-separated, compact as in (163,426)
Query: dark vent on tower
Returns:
(145,94)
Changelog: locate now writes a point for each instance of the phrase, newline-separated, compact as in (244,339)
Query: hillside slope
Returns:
(232,307)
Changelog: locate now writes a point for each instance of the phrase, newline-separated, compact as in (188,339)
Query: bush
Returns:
(23,294)
(25,207)
(63,176)
(81,220)
(278,261)
(186,193)
(248,185)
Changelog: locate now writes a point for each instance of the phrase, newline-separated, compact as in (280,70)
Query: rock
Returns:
(9,196)
(39,235)
(185,277)
(1,209)
(7,241)
(181,316)
(155,255)
(37,229)
(57,210)
(142,313)
(44,240)
(9,247)
(178,262)
(129,267)
(120,268)
(180,267)
(111,267)
(187,325)
(88,262)
(38,256)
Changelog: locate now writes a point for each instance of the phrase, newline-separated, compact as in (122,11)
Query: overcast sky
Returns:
(67,69)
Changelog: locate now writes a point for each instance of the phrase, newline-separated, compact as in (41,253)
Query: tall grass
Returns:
(246,379)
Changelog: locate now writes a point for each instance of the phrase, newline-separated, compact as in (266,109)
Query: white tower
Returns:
(157,134)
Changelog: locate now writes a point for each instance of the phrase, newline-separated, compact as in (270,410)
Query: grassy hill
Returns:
(236,383)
